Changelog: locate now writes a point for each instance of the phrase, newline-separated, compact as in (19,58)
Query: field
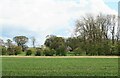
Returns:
(22,66)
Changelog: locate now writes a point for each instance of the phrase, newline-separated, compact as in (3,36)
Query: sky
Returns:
(39,18)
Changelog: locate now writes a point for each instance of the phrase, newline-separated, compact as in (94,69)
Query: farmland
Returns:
(22,66)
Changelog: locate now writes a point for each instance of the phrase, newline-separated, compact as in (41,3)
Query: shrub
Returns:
(38,52)
(49,52)
(114,50)
(33,50)
(100,50)
(53,51)
(28,52)
(10,51)
(78,51)
(61,51)
(18,50)
(3,50)
(24,48)
(118,49)
(93,50)
(107,49)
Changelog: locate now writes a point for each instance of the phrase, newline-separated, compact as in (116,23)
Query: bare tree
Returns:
(96,30)
(33,41)
(113,26)
(118,30)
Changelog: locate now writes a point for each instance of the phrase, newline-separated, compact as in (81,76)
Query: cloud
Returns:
(43,17)
(116,1)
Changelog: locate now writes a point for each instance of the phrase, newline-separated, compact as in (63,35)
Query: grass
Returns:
(22,54)
(14,66)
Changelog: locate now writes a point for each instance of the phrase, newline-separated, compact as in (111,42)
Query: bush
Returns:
(118,49)
(17,50)
(70,53)
(61,51)
(10,51)
(38,52)
(24,48)
(107,49)
(49,52)
(53,51)
(64,53)
(100,50)
(94,50)
(3,50)
(78,51)
(14,50)
(33,50)
(114,50)
(28,52)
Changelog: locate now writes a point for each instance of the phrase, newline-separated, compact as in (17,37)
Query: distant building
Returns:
(69,48)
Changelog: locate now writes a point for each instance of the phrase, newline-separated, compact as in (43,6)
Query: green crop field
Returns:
(14,66)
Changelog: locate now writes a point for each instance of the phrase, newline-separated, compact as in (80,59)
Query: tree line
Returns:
(93,35)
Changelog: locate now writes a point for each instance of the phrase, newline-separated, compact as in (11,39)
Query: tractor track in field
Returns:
(63,56)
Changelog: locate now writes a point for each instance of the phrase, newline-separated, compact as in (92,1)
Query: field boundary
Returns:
(63,56)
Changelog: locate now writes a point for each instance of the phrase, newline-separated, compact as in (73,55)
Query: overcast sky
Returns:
(38,18)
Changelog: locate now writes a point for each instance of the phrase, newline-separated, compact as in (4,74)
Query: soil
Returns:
(63,56)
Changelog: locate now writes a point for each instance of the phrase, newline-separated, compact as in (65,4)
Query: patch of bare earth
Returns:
(63,56)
